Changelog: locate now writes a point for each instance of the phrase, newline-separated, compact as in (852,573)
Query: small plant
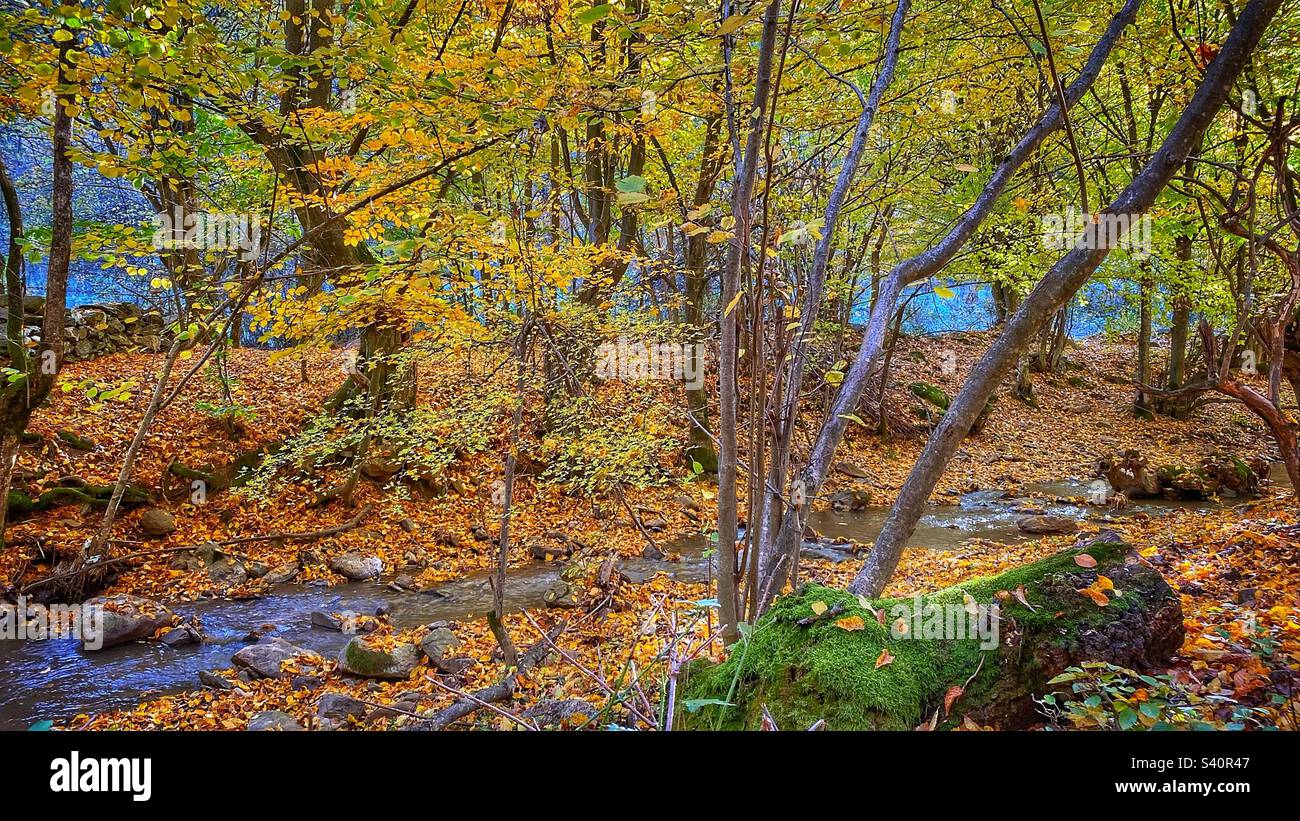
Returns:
(1104,696)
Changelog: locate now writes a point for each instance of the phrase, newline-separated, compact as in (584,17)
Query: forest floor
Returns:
(618,647)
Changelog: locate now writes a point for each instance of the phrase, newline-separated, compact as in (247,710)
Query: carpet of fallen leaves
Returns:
(616,650)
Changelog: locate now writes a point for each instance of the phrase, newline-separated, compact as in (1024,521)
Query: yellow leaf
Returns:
(819,607)
(731,306)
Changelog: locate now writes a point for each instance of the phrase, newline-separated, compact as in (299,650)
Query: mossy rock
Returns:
(359,658)
(704,455)
(75,441)
(940,400)
(19,504)
(803,673)
(931,393)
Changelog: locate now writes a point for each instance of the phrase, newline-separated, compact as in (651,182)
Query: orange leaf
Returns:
(884,658)
(1085,560)
(1098,597)
(850,623)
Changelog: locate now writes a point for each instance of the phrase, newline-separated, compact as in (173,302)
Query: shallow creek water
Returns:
(56,679)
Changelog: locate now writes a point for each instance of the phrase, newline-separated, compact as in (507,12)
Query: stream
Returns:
(55,679)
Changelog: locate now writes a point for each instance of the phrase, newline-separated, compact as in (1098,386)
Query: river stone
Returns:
(437,643)
(334,709)
(274,720)
(125,618)
(357,567)
(851,500)
(360,658)
(265,658)
(1047,525)
(157,522)
(182,635)
(214,680)
(227,571)
(345,621)
(281,573)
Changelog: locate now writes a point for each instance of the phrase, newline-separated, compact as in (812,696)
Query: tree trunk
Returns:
(728,320)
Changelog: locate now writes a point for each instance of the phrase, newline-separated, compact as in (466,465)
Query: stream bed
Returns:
(55,679)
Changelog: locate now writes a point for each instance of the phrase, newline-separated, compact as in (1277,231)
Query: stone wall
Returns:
(98,329)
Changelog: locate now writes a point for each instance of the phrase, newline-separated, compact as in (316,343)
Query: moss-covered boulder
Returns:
(824,654)
(362,657)
(939,400)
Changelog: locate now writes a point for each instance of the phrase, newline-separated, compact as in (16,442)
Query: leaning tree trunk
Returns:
(1056,289)
(817,655)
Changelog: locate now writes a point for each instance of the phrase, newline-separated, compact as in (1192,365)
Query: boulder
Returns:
(437,643)
(274,720)
(124,618)
(361,657)
(850,500)
(282,573)
(544,552)
(216,681)
(266,658)
(1047,525)
(334,709)
(227,571)
(356,566)
(157,522)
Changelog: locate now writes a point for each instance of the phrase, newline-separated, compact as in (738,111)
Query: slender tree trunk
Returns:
(1056,289)
(728,319)
(777,564)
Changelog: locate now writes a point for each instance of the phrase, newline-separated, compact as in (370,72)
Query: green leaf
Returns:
(594,14)
(631,184)
(694,705)
(944,292)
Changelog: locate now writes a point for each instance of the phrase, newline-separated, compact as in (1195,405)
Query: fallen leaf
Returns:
(884,658)
(950,698)
(1085,560)
(819,607)
(1023,599)
(850,623)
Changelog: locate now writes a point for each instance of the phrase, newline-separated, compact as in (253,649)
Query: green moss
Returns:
(19,503)
(822,671)
(930,393)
